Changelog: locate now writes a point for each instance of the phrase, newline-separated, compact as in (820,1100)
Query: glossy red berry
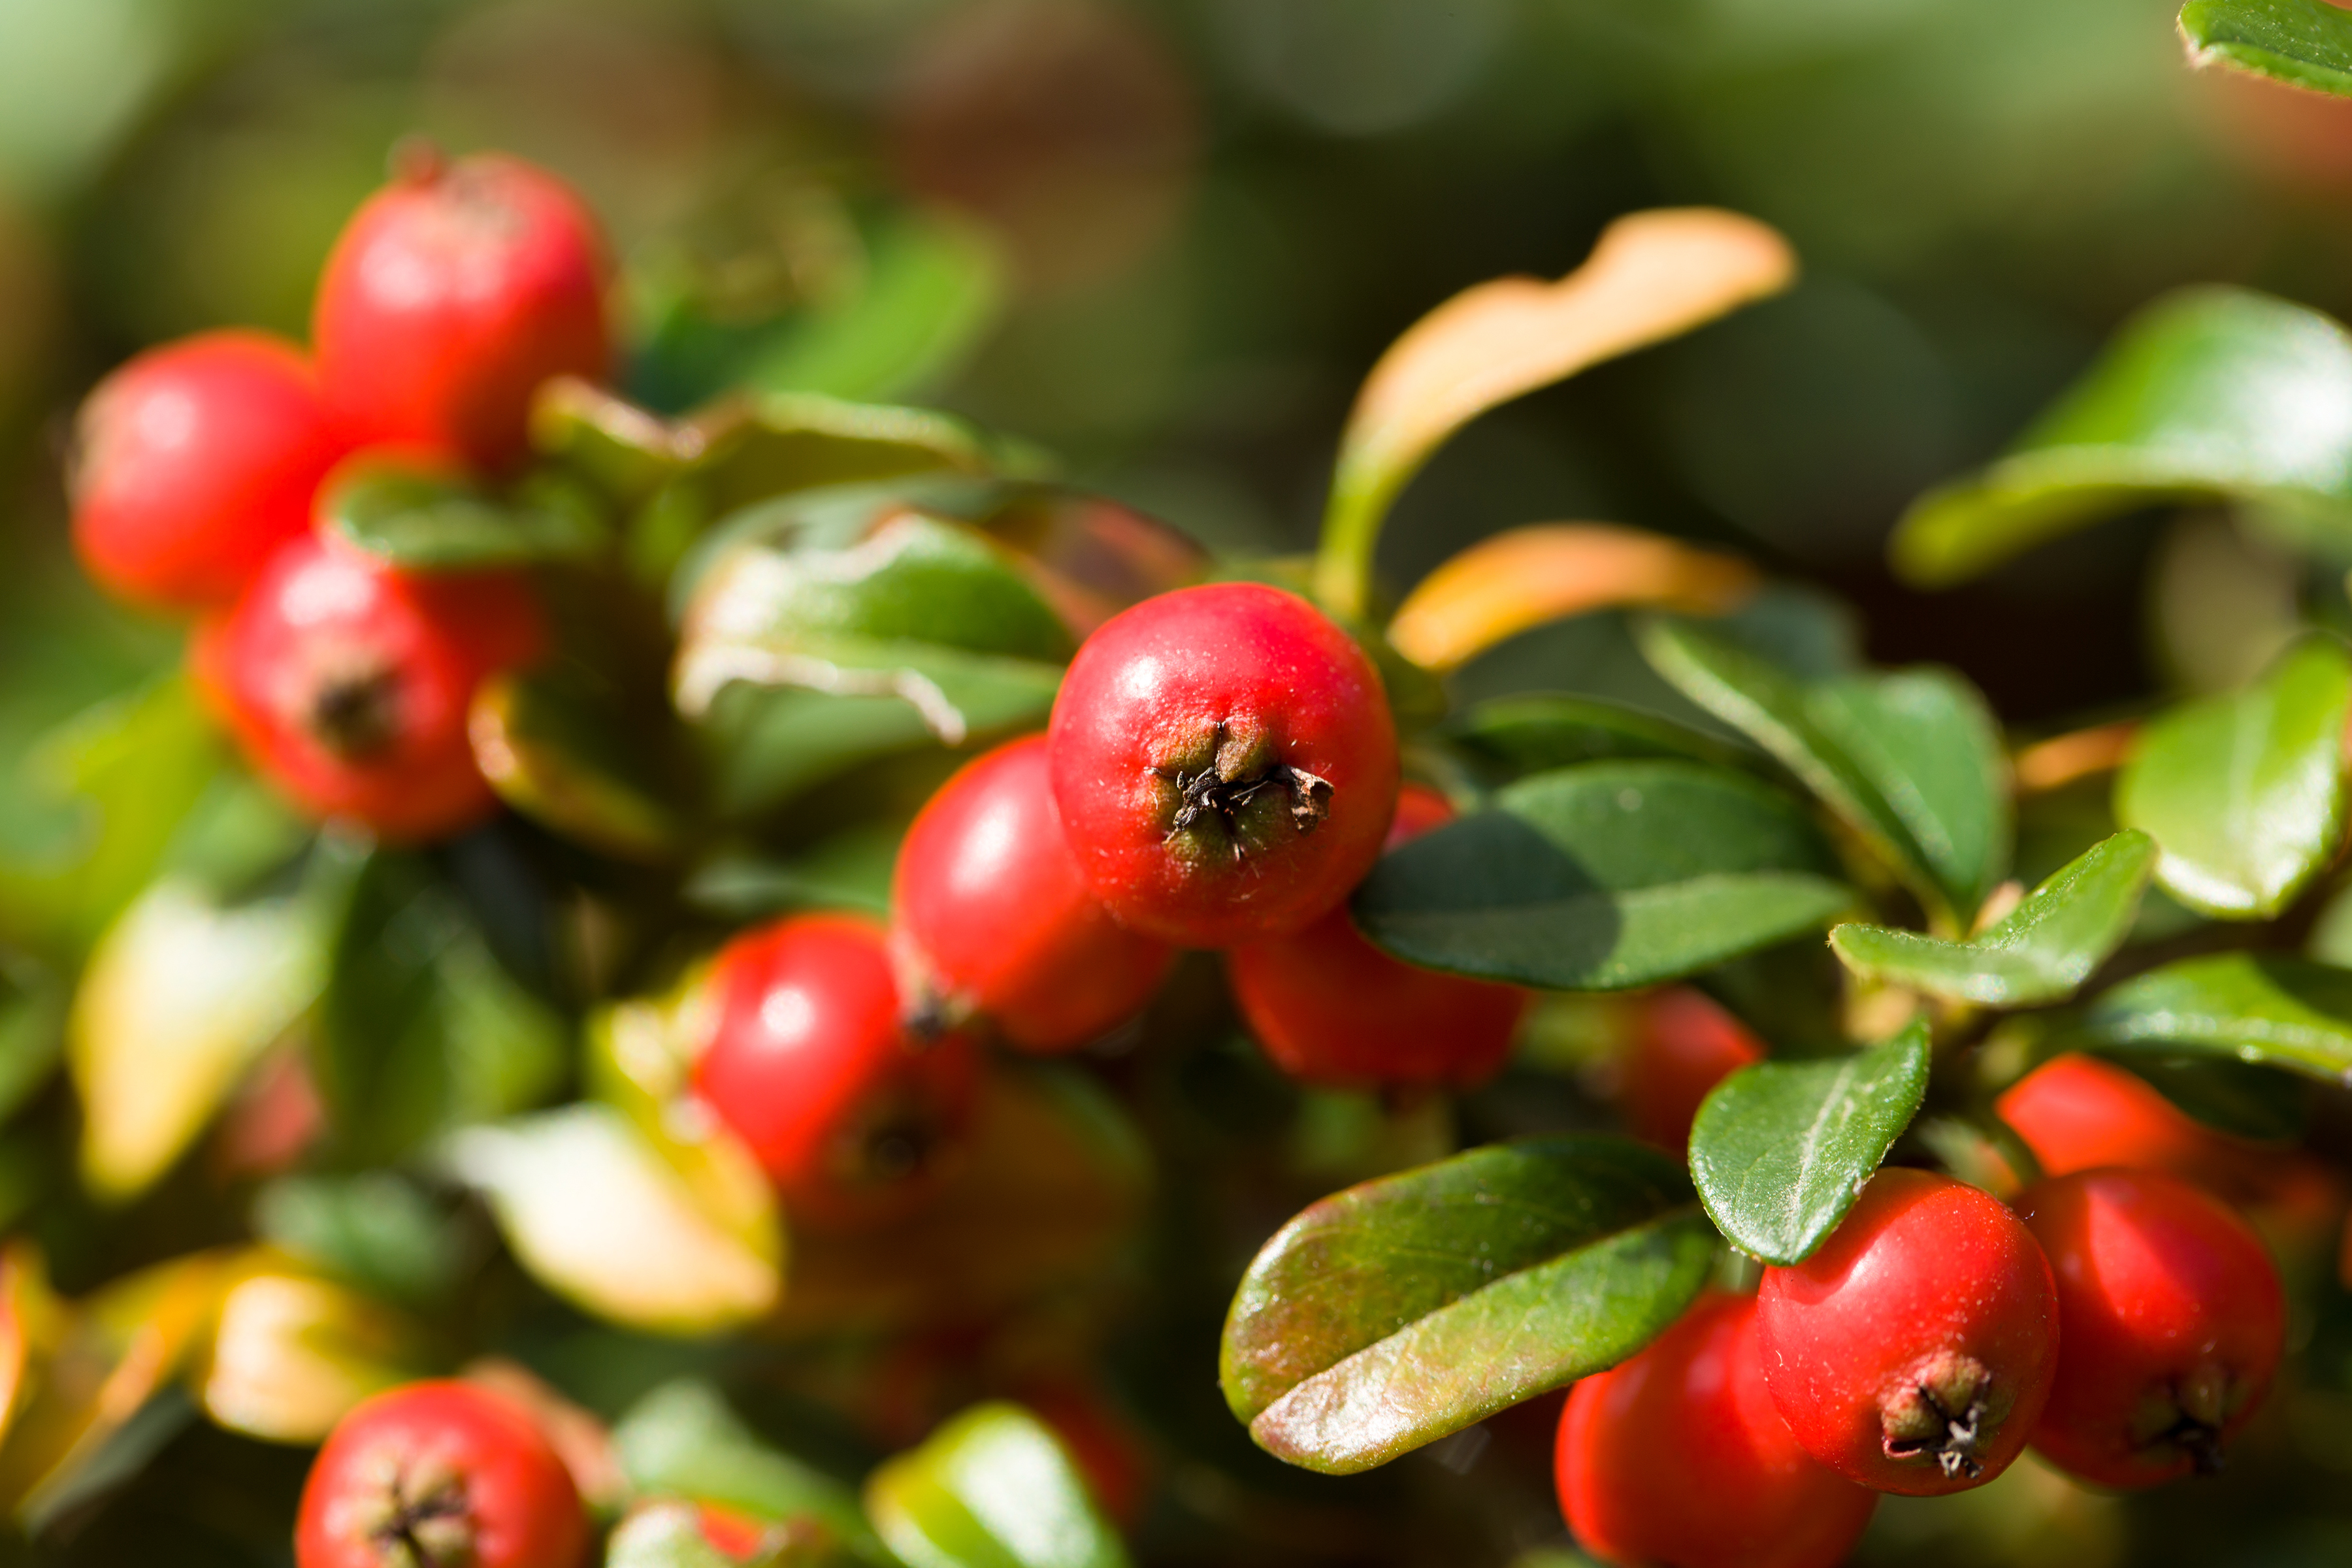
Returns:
(439,1475)
(1331,1009)
(451,296)
(1913,1352)
(1677,1459)
(2171,1323)
(194,462)
(1225,763)
(808,1061)
(1682,1045)
(347,682)
(990,917)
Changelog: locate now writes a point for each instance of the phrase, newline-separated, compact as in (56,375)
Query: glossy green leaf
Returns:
(2304,43)
(1393,1313)
(992,1488)
(1605,876)
(683,1440)
(2040,951)
(1780,1150)
(2244,793)
(1530,733)
(2208,393)
(560,748)
(1911,759)
(425,523)
(2262,1008)
(375,1230)
(625,451)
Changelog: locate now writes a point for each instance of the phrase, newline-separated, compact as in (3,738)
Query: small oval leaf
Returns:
(683,1440)
(2262,1008)
(2304,43)
(558,750)
(1603,876)
(2043,950)
(289,1353)
(1411,1307)
(992,1488)
(421,521)
(1780,1150)
(1538,731)
(2244,793)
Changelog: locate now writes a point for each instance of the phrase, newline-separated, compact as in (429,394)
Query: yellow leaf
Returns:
(290,1353)
(1653,275)
(1527,576)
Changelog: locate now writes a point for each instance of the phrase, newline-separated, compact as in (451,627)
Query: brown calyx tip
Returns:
(355,713)
(422,1520)
(1947,1413)
(1235,770)
(418,160)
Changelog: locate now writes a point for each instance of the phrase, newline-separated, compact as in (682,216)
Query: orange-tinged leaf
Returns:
(1653,275)
(290,1351)
(1526,576)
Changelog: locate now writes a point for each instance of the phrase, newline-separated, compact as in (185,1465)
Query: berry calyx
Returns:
(1331,1009)
(2172,1319)
(853,1116)
(1913,1352)
(439,1475)
(194,462)
(990,917)
(347,682)
(1678,1457)
(451,296)
(1225,763)
(1682,1045)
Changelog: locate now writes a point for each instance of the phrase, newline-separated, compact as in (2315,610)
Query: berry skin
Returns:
(347,682)
(451,296)
(1683,1046)
(1678,1458)
(194,462)
(1331,1009)
(2171,1323)
(810,1064)
(439,1475)
(1225,763)
(990,917)
(1913,1353)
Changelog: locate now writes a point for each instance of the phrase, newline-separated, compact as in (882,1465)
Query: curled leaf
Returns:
(992,1488)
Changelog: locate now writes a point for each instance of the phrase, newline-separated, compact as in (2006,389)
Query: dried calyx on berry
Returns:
(1227,792)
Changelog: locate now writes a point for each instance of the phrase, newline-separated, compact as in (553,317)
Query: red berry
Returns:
(194,462)
(808,1061)
(2171,1321)
(1682,1045)
(1329,1007)
(439,1475)
(1225,763)
(451,294)
(2078,1113)
(1677,1458)
(1911,1353)
(990,914)
(347,682)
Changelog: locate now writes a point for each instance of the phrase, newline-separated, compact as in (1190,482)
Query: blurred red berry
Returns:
(1682,1045)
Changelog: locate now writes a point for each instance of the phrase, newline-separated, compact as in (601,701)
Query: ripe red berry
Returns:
(1913,1352)
(1331,1009)
(439,1475)
(1225,763)
(1677,1458)
(451,294)
(2171,1321)
(1682,1045)
(347,682)
(808,1061)
(194,462)
(990,917)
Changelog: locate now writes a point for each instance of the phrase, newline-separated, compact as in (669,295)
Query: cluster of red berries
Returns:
(202,467)
(1220,771)
(2119,1318)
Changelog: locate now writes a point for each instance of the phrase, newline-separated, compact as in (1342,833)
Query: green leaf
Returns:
(1530,733)
(2041,952)
(2210,393)
(426,522)
(1393,1313)
(1603,876)
(2261,1007)
(683,1440)
(375,1230)
(32,1029)
(2304,43)
(1780,1150)
(992,1488)
(1911,759)
(2244,793)
(563,749)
